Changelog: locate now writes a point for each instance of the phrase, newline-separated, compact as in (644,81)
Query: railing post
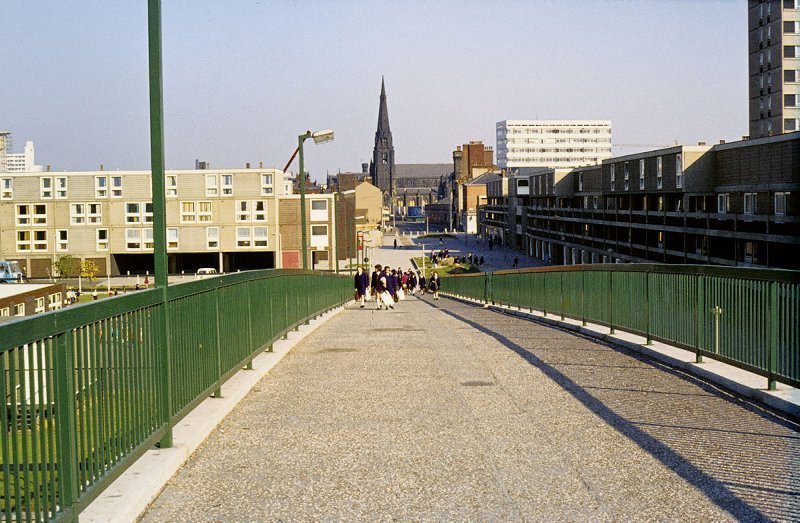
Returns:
(648,334)
(583,298)
(611,301)
(218,390)
(65,404)
(700,305)
(250,324)
(774,335)
(561,292)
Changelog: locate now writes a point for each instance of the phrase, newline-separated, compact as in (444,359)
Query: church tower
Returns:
(382,166)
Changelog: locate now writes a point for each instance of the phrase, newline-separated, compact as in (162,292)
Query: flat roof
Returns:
(8,290)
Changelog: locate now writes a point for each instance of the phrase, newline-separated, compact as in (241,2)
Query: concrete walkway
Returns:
(446,411)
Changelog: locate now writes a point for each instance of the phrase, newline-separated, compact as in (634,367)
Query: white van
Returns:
(205,272)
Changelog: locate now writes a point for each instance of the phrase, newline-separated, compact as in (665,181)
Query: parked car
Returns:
(10,272)
(205,272)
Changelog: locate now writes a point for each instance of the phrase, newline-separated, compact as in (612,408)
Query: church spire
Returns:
(382,167)
(383,131)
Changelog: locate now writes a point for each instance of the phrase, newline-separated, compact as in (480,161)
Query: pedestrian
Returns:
(491,243)
(435,285)
(516,262)
(395,243)
(481,261)
(360,283)
(422,283)
(94,295)
(374,285)
(383,287)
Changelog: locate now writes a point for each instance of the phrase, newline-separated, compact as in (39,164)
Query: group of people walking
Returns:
(387,286)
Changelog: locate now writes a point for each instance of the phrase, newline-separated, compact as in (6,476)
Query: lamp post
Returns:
(319,137)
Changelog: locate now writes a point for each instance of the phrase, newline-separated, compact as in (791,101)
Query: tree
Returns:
(89,270)
(67,266)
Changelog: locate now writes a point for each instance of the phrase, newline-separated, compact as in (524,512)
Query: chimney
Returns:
(48,167)
(364,167)
(745,137)
(247,165)
(260,165)
(721,142)
(701,143)
(102,168)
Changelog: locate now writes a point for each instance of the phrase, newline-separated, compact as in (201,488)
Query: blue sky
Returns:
(243,78)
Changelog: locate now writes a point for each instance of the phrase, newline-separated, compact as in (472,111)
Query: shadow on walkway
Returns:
(751,474)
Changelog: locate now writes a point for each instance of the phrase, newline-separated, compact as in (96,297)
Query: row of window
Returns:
(105,186)
(556,140)
(553,130)
(626,174)
(18,308)
(750,203)
(37,240)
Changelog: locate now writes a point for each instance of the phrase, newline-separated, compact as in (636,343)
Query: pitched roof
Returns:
(422,170)
(484,179)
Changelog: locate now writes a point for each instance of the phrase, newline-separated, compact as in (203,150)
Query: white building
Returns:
(556,144)
(23,162)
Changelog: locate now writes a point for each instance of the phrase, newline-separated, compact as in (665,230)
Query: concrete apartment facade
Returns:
(557,144)
(774,65)
(729,204)
(228,219)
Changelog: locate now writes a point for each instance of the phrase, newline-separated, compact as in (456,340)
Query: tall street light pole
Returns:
(319,137)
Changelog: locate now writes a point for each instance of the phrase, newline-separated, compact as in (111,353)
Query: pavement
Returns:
(443,410)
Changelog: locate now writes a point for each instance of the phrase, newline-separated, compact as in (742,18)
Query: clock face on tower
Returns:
(385,158)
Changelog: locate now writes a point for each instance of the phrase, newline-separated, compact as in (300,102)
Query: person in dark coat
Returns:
(435,284)
(360,283)
(374,284)
(422,283)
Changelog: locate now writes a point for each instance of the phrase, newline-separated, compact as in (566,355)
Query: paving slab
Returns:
(441,410)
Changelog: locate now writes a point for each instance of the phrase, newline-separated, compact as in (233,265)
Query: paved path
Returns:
(445,411)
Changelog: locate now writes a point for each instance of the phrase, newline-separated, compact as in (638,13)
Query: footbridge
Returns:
(521,395)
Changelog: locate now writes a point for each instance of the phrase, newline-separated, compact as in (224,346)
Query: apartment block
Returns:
(556,144)
(774,65)
(228,219)
(728,204)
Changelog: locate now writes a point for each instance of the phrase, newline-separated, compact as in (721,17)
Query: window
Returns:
(791,27)
(260,236)
(100,186)
(749,203)
(659,174)
(243,236)
(147,216)
(226,182)
(39,304)
(39,240)
(6,188)
(116,186)
(791,51)
(749,252)
(212,237)
(319,208)
(54,301)
(791,124)
(203,211)
(147,238)
(791,4)
(171,182)
(19,309)
(62,240)
(102,239)
(23,241)
(61,187)
(243,211)
(40,214)
(94,213)
(211,185)
(790,75)
(46,187)
(679,171)
(23,214)
(723,203)
(319,235)
(791,100)
(595,202)
(259,211)
(780,203)
(172,237)
(188,210)
(77,213)
(627,175)
(133,213)
(580,181)
(613,179)
(133,239)
(641,174)
(5,312)
(266,184)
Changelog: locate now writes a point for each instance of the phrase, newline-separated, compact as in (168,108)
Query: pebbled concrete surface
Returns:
(442,411)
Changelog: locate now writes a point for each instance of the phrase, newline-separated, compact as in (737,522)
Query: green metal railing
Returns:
(85,386)
(749,318)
